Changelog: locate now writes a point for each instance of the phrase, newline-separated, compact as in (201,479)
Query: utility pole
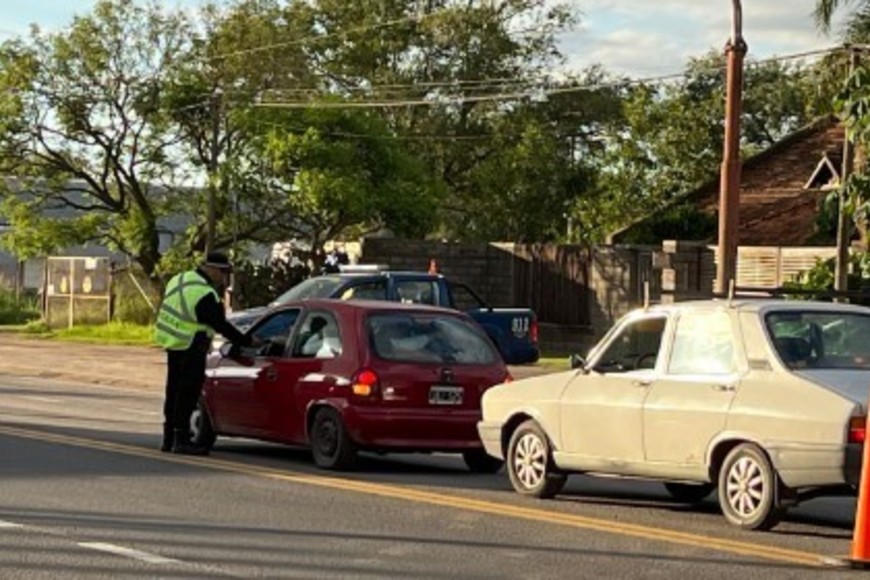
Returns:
(844,229)
(211,218)
(729,189)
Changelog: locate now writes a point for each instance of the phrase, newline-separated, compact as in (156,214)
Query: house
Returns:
(782,189)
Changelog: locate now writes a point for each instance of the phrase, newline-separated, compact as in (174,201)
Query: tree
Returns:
(326,174)
(857,26)
(461,56)
(83,132)
(669,140)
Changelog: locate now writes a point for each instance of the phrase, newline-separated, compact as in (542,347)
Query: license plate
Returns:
(444,395)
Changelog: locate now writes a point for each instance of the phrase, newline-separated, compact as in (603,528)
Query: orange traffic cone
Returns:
(433,267)
(859,557)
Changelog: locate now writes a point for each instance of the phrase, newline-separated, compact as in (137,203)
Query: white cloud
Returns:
(633,37)
(644,38)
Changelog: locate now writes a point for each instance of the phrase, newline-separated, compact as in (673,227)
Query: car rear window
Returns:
(322,287)
(821,340)
(426,338)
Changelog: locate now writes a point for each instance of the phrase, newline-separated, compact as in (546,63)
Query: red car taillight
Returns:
(365,383)
(857,429)
(533,332)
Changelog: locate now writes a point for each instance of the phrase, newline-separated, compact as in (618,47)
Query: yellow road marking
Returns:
(445,500)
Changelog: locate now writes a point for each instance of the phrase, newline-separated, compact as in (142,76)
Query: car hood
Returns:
(851,384)
(532,389)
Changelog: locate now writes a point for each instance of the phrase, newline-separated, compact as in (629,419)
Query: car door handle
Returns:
(641,384)
(724,388)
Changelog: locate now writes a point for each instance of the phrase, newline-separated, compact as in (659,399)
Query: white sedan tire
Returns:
(530,463)
(748,489)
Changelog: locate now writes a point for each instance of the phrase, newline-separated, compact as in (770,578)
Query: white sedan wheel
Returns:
(745,487)
(748,489)
(530,464)
(530,460)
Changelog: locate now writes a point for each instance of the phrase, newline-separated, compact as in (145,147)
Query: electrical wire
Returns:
(531,93)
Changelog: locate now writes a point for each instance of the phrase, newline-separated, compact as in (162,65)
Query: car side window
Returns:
(703,345)
(273,333)
(418,291)
(318,337)
(636,346)
(374,290)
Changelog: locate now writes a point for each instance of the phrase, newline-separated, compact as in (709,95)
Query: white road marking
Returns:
(139,411)
(128,552)
(9,525)
(43,399)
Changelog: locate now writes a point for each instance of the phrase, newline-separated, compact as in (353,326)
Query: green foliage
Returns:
(111,119)
(259,284)
(17,311)
(852,105)
(37,327)
(129,305)
(683,221)
(669,141)
(820,279)
(119,333)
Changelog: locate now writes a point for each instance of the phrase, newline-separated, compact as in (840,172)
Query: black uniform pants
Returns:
(185,375)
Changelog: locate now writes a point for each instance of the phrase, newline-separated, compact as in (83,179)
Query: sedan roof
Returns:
(759,305)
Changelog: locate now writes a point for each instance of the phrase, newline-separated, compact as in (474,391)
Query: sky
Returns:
(637,38)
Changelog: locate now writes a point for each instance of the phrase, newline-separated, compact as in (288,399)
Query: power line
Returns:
(531,93)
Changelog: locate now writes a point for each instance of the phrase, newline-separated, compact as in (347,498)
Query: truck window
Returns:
(373,290)
(418,291)
(464,298)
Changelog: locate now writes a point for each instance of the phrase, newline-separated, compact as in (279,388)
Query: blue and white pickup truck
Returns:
(514,331)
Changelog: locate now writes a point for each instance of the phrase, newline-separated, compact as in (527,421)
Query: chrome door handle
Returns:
(724,388)
(641,384)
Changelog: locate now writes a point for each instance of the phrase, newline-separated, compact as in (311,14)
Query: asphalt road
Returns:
(85,494)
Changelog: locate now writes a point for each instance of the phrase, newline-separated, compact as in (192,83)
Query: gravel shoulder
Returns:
(135,367)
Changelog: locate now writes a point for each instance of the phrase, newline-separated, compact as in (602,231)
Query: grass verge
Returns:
(119,333)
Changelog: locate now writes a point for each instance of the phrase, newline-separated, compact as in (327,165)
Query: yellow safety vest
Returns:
(176,322)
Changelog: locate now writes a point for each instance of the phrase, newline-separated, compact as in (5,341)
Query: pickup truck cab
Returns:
(514,331)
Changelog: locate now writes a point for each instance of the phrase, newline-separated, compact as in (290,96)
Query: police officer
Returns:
(189,316)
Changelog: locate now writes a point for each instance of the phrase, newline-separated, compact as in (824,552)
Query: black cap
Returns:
(218,260)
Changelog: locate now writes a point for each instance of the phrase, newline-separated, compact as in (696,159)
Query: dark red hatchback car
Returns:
(344,376)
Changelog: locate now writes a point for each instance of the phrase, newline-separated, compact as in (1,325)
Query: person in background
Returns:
(191,313)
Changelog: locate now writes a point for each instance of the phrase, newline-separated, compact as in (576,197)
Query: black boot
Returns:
(168,439)
(183,445)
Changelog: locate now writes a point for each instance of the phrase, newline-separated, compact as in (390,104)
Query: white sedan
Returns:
(763,400)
